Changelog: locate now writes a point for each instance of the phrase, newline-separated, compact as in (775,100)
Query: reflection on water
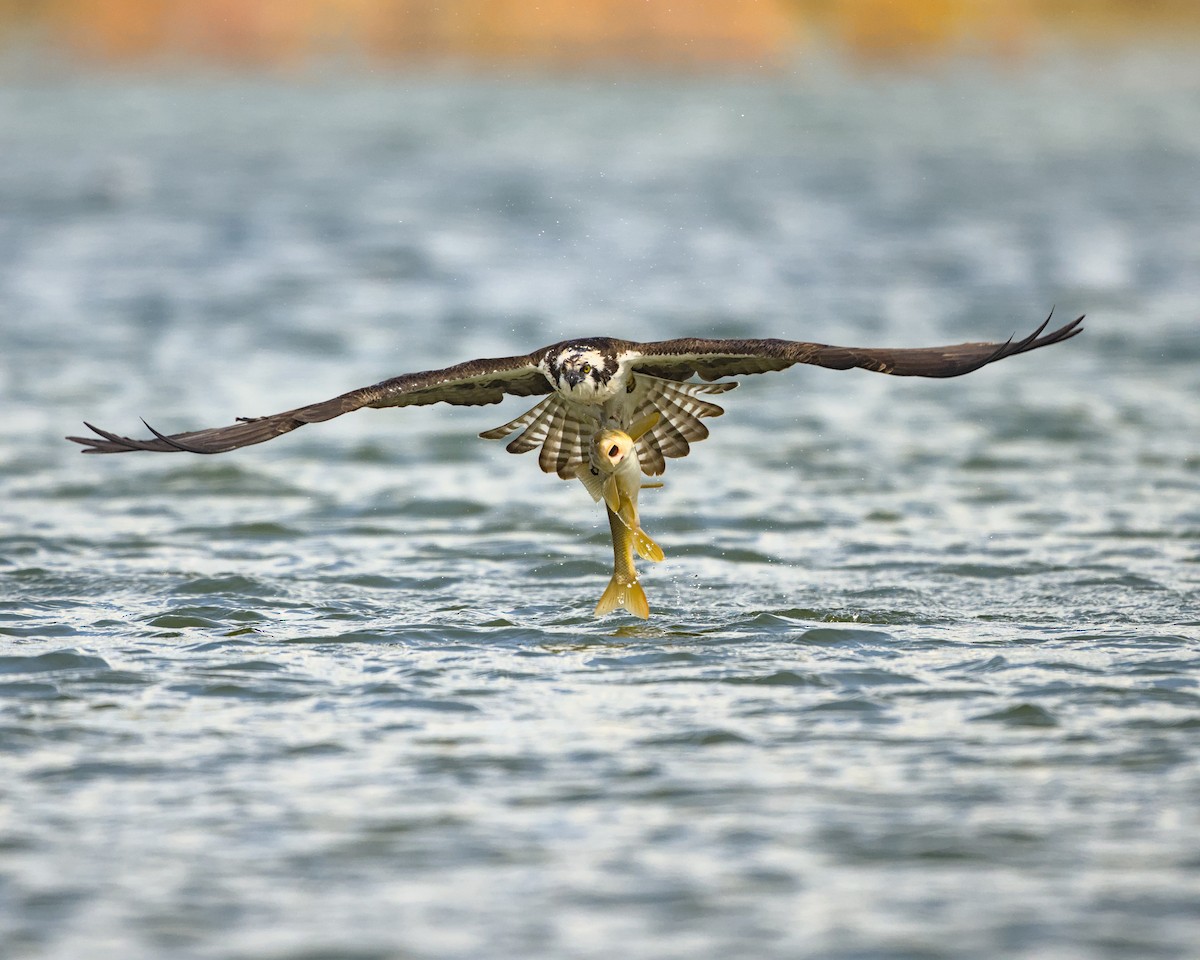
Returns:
(922,675)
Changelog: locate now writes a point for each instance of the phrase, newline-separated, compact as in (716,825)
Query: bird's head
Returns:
(582,371)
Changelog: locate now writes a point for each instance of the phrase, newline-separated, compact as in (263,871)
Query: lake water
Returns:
(922,678)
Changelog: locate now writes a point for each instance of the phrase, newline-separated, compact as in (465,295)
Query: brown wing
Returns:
(710,359)
(472,383)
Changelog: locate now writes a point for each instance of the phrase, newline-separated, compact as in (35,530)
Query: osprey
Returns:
(592,384)
(612,410)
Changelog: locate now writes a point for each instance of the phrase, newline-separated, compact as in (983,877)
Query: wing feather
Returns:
(489,381)
(471,383)
(710,359)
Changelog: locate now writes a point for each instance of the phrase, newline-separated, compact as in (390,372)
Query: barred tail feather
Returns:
(650,454)
(561,431)
(681,408)
(524,420)
(673,441)
(536,430)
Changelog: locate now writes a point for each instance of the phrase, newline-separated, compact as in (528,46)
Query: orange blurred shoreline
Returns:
(699,34)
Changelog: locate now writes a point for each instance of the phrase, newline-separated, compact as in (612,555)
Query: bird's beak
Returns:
(572,376)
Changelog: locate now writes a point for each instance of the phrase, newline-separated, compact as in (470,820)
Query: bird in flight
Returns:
(591,384)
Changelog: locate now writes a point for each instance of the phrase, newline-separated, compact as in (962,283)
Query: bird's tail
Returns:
(623,593)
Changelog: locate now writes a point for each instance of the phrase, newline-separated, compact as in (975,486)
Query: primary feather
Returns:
(590,382)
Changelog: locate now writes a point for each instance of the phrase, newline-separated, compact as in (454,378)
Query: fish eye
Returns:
(614,450)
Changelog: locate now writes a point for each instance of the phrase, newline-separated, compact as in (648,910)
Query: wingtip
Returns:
(1038,338)
(106,441)
(94,444)
(1041,326)
(172,442)
(1065,332)
(82,441)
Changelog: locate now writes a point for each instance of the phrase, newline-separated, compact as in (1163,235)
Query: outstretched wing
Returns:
(711,359)
(472,383)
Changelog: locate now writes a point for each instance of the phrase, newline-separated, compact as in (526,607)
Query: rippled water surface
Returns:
(922,674)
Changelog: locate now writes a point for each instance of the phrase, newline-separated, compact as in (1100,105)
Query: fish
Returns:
(613,474)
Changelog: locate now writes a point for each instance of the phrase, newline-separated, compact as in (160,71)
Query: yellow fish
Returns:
(614,474)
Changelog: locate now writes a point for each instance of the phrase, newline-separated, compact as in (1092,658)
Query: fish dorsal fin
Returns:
(644,426)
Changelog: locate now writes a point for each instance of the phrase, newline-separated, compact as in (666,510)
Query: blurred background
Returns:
(923,676)
(572,34)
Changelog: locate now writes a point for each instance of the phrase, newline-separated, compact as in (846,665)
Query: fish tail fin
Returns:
(628,595)
(646,548)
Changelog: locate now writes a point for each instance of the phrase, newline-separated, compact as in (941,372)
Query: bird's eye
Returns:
(614,450)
